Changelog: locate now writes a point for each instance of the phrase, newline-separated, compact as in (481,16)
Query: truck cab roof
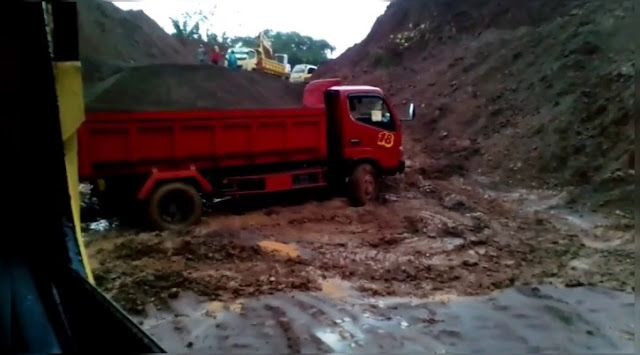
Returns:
(314,91)
(357,88)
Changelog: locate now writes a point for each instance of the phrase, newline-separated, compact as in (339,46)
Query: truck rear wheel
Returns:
(175,206)
(364,185)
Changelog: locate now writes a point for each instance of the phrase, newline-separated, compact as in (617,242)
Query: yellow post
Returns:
(68,77)
(71,105)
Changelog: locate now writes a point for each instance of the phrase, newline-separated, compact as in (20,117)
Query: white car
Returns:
(302,73)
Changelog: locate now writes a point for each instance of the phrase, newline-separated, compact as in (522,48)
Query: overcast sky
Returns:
(341,22)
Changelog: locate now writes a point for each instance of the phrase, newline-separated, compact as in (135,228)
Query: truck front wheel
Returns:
(364,185)
(174,206)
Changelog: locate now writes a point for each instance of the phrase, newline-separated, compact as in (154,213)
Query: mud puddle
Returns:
(597,231)
(606,242)
(100,226)
(520,319)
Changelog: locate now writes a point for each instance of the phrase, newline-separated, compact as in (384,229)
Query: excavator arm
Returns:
(264,44)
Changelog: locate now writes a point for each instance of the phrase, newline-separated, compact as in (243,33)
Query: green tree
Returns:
(224,41)
(187,26)
(300,48)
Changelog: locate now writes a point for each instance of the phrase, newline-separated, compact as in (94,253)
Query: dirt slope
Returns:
(110,37)
(538,93)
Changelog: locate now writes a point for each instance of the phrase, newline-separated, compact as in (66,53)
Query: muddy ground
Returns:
(523,319)
(447,237)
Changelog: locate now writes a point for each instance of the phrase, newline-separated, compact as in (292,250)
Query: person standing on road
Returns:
(216,56)
(202,54)
(232,60)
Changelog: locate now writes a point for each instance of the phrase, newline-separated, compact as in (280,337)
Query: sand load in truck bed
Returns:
(185,87)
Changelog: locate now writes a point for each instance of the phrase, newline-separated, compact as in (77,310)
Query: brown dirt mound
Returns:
(111,37)
(538,93)
(187,87)
(112,34)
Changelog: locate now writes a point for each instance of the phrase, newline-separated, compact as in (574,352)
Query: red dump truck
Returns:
(165,160)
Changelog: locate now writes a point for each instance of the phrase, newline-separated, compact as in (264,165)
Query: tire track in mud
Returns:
(311,323)
(293,339)
(305,319)
(335,317)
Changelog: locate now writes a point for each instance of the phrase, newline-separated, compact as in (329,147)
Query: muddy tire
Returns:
(174,206)
(364,185)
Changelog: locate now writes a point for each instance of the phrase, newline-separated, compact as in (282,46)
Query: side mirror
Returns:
(412,113)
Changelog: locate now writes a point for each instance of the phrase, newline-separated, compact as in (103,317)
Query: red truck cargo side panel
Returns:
(132,142)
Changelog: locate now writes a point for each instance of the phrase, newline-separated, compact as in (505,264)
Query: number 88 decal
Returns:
(385,139)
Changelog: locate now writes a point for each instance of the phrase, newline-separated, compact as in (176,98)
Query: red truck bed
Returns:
(112,143)
(120,143)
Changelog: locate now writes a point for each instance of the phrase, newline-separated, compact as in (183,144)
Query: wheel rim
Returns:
(175,207)
(369,186)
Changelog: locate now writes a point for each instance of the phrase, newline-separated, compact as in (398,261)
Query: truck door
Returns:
(371,131)
(334,136)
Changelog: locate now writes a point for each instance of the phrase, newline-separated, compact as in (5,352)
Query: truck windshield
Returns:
(244,53)
(298,69)
(372,111)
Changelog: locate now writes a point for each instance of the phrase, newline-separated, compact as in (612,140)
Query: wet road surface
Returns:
(521,319)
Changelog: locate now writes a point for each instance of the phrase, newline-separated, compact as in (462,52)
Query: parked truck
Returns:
(164,160)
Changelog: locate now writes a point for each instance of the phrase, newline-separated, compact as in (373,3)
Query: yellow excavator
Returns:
(263,59)
(48,303)
(276,64)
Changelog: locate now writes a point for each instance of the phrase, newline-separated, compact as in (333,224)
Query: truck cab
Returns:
(363,124)
(302,73)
